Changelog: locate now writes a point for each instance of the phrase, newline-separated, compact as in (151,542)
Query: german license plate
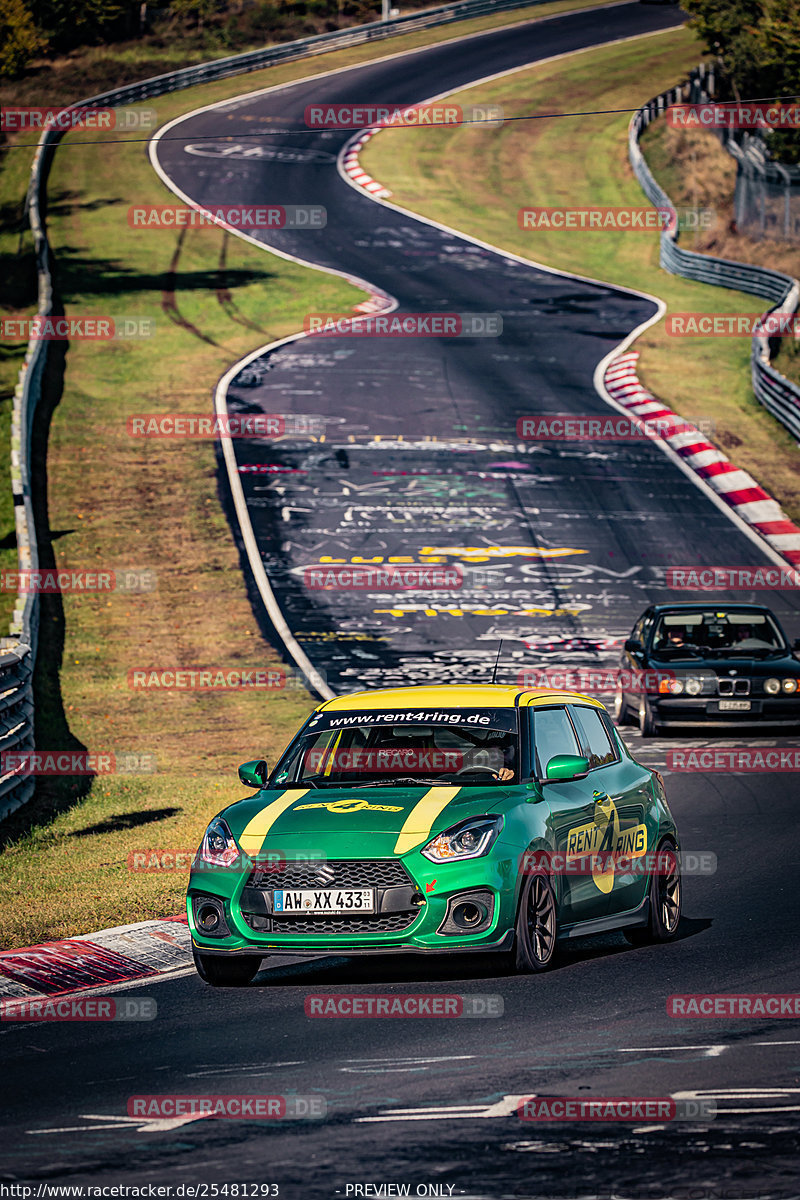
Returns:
(321,902)
(734,706)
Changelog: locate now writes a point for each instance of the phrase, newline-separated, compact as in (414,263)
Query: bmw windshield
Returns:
(753,633)
(351,749)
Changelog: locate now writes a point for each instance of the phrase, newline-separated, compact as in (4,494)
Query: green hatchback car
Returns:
(434,820)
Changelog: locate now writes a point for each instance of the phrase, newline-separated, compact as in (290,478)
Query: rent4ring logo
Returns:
(393,116)
(605,835)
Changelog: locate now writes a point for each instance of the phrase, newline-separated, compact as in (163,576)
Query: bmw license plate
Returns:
(322,901)
(734,706)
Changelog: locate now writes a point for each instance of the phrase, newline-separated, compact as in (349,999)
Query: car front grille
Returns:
(394,889)
(733,687)
(359,873)
(368,923)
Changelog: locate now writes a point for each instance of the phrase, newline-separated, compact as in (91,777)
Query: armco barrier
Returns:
(778,395)
(18,651)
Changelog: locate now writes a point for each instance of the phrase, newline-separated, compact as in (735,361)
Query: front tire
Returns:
(537,924)
(622,714)
(666,898)
(226,972)
(647,724)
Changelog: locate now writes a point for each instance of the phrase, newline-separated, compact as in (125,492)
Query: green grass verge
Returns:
(116,501)
(476,180)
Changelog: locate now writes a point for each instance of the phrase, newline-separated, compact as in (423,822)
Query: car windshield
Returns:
(720,633)
(373,749)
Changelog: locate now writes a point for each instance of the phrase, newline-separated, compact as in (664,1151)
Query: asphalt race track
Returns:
(421,454)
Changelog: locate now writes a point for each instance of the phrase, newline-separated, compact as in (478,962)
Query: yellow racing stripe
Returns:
(255,831)
(423,814)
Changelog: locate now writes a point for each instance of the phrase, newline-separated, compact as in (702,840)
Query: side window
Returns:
(596,743)
(552,734)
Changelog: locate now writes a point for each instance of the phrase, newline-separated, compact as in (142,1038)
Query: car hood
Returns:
(783,664)
(396,818)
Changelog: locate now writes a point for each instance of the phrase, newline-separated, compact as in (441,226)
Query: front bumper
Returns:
(434,885)
(705,710)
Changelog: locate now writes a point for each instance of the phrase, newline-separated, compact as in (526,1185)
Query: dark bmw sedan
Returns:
(700,664)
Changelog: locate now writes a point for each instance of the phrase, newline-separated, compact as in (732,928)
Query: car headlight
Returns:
(694,686)
(218,847)
(468,839)
(790,685)
(772,686)
(671,687)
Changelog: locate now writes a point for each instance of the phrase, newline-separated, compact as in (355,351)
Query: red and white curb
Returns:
(352,167)
(736,487)
(120,955)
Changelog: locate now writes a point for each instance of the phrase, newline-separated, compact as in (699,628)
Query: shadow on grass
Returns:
(82,277)
(117,822)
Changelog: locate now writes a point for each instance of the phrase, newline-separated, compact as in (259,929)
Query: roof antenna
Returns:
(497,660)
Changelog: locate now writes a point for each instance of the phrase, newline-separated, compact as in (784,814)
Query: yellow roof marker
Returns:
(254,832)
(423,814)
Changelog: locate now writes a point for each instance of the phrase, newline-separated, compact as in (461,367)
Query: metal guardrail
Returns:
(778,395)
(18,651)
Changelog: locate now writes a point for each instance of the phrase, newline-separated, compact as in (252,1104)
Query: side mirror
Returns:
(253,774)
(634,646)
(566,766)
(796,644)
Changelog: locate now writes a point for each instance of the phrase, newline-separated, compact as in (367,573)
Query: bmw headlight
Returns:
(693,686)
(670,687)
(218,847)
(790,685)
(772,686)
(468,839)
